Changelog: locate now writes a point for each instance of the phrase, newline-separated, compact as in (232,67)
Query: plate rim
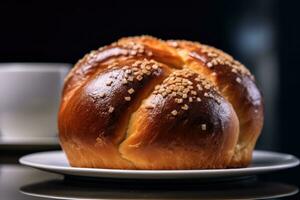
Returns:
(294,161)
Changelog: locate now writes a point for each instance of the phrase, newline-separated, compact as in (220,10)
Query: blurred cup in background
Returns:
(29,99)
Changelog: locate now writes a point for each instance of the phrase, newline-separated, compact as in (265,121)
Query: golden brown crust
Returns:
(182,131)
(143,103)
(237,85)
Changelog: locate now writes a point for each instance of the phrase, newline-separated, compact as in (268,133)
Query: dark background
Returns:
(262,34)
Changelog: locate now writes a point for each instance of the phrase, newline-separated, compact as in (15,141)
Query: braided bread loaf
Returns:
(145,103)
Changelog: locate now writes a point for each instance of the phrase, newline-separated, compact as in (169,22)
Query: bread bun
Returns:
(145,103)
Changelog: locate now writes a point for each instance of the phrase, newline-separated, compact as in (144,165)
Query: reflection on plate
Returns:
(108,189)
(263,161)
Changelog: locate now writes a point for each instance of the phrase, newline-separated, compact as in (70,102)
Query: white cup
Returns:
(29,99)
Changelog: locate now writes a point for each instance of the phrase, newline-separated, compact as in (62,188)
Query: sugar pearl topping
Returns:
(138,71)
(218,57)
(133,48)
(129,49)
(215,57)
(203,127)
(185,87)
(134,72)
(111,109)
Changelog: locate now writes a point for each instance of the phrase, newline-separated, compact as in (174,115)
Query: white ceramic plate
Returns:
(263,162)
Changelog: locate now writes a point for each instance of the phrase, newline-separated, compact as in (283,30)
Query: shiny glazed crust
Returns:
(145,103)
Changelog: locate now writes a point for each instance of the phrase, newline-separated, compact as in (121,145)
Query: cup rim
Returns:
(34,67)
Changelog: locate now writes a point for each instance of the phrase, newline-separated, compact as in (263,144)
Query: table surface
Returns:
(20,182)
